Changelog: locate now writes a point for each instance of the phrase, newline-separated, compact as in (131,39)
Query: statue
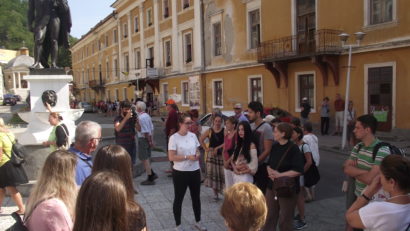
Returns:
(50,21)
(49,97)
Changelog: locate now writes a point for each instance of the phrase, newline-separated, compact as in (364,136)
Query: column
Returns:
(19,80)
(175,55)
(130,50)
(142,40)
(197,40)
(157,47)
(14,80)
(119,38)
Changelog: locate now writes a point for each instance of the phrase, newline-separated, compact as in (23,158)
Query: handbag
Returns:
(17,153)
(312,175)
(284,186)
(19,225)
(66,144)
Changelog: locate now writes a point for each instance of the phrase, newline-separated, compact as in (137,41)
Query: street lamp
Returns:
(343,38)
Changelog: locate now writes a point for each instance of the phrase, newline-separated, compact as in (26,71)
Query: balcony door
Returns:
(306,26)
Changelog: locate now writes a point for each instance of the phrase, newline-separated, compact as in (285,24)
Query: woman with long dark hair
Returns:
(116,158)
(229,145)
(245,157)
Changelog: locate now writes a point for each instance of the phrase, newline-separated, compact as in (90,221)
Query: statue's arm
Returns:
(30,14)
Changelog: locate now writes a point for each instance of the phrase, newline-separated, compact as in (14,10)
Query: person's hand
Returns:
(211,150)
(214,151)
(128,115)
(45,143)
(193,157)
(374,187)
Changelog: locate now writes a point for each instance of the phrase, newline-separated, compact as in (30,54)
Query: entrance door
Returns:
(380,96)
(306,26)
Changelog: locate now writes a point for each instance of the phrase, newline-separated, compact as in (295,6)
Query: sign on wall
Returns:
(194,92)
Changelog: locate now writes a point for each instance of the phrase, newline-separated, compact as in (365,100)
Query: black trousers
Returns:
(182,181)
(324,125)
(261,177)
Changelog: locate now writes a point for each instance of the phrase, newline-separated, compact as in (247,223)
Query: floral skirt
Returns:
(215,172)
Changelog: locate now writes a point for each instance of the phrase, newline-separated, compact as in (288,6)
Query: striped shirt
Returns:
(365,160)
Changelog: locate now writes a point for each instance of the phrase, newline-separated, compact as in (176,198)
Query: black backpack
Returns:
(393,149)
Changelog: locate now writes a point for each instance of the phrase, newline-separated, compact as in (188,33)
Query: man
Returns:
(50,21)
(145,142)
(125,129)
(339,109)
(305,110)
(87,138)
(263,138)
(238,113)
(171,124)
(361,164)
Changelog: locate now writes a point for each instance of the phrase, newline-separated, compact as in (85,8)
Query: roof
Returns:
(20,61)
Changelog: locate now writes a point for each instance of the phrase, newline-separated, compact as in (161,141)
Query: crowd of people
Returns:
(260,166)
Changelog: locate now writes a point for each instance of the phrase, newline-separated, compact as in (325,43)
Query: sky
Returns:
(87,13)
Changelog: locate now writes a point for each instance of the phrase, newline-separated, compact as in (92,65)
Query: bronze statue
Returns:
(50,21)
(49,97)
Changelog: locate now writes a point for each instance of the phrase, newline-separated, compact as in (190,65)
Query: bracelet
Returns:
(366,197)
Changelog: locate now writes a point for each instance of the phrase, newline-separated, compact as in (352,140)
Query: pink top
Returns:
(228,143)
(50,215)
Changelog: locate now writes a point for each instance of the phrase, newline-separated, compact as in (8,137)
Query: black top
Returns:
(306,110)
(61,135)
(293,160)
(217,139)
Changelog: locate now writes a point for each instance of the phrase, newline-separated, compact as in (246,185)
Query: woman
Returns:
(392,214)
(351,121)
(116,158)
(285,160)
(102,204)
(196,129)
(244,208)
(52,201)
(229,145)
(59,136)
(10,175)
(214,161)
(324,116)
(183,151)
(297,138)
(245,156)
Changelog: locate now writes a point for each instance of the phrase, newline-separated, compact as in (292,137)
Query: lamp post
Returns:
(343,38)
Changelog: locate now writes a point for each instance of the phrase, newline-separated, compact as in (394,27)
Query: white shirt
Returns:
(313,143)
(184,146)
(385,216)
(146,124)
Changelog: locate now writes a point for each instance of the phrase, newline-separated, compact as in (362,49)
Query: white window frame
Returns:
(150,18)
(367,15)
(214,40)
(184,104)
(251,6)
(250,77)
(163,9)
(136,24)
(394,87)
(297,102)
(165,52)
(163,91)
(185,48)
(213,93)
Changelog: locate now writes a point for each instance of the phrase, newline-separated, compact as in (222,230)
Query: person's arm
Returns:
(120,125)
(145,128)
(178,158)
(253,165)
(202,139)
(267,144)
(308,157)
(60,136)
(48,107)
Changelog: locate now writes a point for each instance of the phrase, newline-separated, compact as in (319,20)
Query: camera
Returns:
(134,112)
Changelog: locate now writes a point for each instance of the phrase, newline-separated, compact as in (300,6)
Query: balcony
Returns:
(323,47)
(96,84)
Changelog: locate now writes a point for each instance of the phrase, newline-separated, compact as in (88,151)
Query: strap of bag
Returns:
(12,143)
(257,127)
(34,208)
(283,157)
(86,162)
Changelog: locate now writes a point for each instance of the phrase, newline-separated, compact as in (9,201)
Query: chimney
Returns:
(24,51)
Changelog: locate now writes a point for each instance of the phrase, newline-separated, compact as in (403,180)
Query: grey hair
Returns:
(141,105)
(85,131)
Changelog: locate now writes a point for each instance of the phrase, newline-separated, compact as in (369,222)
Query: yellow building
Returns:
(210,54)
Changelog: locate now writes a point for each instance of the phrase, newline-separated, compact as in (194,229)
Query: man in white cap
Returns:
(305,110)
(238,113)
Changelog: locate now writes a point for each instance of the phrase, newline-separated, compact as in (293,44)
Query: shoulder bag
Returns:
(312,175)
(66,144)
(17,153)
(284,186)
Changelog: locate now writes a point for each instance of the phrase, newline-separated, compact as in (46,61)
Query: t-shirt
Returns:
(382,216)
(185,146)
(324,110)
(127,134)
(264,132)
(172,122)
(313,143)
(84,166)
(365,159)
(6,144)
(339,105)
(146,124)
(50,215)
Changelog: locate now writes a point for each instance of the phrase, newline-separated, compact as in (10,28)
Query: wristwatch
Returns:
(366,197)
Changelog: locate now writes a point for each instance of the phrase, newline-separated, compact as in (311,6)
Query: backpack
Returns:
(393,149)
(256,138)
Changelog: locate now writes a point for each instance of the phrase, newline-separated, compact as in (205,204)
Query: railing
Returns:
(323,41)
(96,84)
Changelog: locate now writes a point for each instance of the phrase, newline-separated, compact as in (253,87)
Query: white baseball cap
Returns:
(269,118)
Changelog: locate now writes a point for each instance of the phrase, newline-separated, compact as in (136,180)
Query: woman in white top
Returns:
(183,151)
(245,156)
(52,202)
(392,214)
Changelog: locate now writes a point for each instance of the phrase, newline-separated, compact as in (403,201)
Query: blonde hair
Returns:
(244,208)
(56,180)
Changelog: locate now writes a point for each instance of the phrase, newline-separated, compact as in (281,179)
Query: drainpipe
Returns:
(203,61)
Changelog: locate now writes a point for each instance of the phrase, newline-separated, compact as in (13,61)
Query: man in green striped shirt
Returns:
(361,164)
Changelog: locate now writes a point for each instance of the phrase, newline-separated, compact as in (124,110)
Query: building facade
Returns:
(208,54)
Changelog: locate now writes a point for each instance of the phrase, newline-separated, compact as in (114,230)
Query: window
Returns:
(126,63)
(217,38)
(381,11)
(125,30)
(106,41)
(149,17)
(188,47)
(255,87)
(217,93)
(124,93)
(93,73)
(117,93)
(167,53)
(254,29)
(108,95)
(116,69)
(150,58)
(136,24)
(185,93)
(165,91)
(185,4)
(306,88)
(83,77)
(115,35)
(137,59)
(165,8)
(99,45)
(107,70)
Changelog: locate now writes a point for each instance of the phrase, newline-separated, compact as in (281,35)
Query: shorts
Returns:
(339,118)
(144,150)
